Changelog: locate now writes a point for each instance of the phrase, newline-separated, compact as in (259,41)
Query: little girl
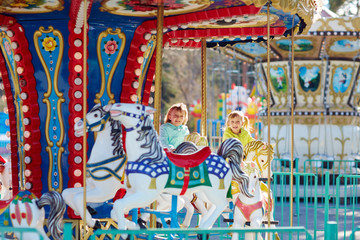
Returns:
(238,126)
(174,130)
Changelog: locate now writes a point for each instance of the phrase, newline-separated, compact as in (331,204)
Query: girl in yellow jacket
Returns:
(238,126)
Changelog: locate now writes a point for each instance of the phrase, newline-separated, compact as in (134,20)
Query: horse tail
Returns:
(57,210)
(232,150)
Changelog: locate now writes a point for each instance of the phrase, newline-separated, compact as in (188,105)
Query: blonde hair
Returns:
(181,107)
(244,119)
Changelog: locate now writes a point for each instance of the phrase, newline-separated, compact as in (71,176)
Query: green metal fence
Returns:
(7,233)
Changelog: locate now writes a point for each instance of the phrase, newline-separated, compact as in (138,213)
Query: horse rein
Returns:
(101,123)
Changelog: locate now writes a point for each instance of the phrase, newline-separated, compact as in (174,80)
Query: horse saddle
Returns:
(188,160)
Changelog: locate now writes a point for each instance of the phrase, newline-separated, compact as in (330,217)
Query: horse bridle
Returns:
(100,122)
(256,160)
(141,118)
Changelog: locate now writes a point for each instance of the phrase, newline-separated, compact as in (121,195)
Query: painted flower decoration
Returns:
(49,44)
(111,47)
(7,47)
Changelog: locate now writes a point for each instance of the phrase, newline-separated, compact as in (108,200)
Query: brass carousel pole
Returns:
(292,124)
(268,109)
(158,72)
(84,113)
(203,126)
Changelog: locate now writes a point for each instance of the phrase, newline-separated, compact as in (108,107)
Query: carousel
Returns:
(64,65)
(326,98)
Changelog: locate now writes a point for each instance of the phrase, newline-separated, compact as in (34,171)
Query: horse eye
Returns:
(138,108)
(262,160)
(95,115)
(254,176)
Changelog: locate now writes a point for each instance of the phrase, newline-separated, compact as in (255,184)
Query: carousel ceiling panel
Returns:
(30,7)
(304,47)
(342,46)
(253,50)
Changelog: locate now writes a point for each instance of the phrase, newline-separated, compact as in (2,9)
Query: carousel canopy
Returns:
(218,20)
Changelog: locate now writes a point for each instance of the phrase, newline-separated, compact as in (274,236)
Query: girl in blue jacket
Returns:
(174,130)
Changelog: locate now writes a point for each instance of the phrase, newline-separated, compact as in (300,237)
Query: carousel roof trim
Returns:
(308,10)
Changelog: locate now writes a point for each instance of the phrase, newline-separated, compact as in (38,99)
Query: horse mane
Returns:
(257,145)
(156,155)
(232,150)
(116,131)
(116,137)
(186,147)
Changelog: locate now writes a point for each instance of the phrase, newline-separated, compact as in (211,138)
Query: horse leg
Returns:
(255,222)
(189,212)
(215,211)
(131,200)
(239,222)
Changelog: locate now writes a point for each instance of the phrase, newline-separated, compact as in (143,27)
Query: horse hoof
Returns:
(97,225)
(168,222)
(159,225)
(141,223)
(91,210)
(200,237)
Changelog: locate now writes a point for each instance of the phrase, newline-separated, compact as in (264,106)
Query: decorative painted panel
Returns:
(31,6)
(342,47)
(110,47)
(309,85)
(340,83)
(49,46)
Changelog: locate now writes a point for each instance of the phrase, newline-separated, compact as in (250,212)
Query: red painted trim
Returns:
(29,87)
(12,125)
(73,115)
(178,20)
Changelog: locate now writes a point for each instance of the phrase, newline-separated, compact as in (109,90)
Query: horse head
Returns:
(131,116)
(253,172)
(96,119)
(257,151)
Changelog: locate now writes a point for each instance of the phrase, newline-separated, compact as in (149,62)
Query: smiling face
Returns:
(235,124)
(176,117)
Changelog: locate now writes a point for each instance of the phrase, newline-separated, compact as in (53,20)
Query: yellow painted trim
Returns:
(147,55)
(60,100)
(102,35)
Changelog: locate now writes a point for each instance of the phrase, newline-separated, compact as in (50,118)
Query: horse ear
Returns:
(273,145)
(150,110)
(107,107)
(242,164)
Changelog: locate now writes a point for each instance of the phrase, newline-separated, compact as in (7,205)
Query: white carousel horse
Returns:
(257,152)
(165,200)
(148,168)
(26,210)
(249,209)
(106,164)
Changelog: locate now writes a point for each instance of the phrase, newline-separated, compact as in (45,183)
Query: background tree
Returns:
(345,7)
